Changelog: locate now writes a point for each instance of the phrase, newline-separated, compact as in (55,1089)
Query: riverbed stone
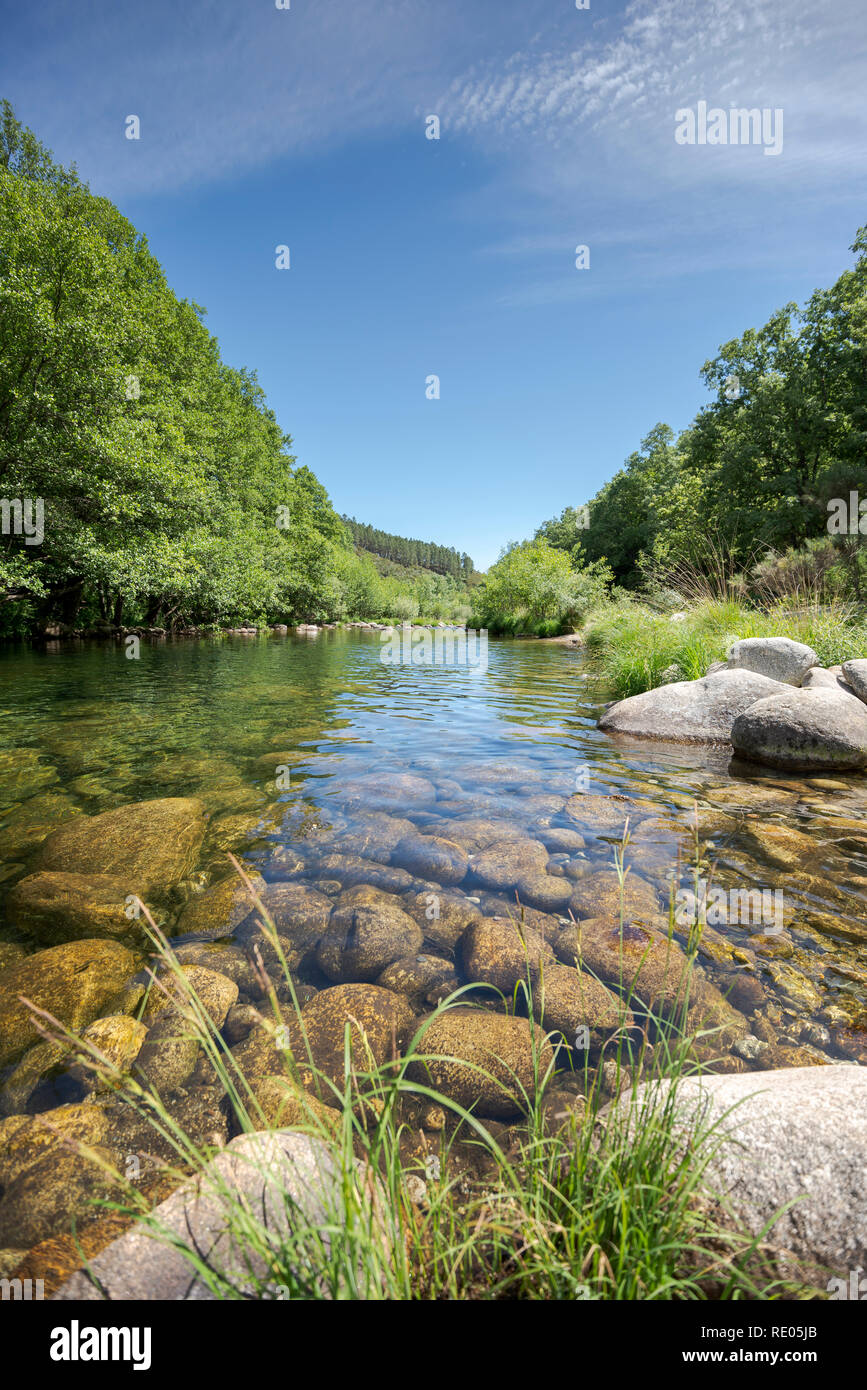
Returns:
(420,979)
(379,1020)
(45,1180)
(503,864)
(481,1060)
(599,814)
(372,838)
(152,843)
(23,773)
(73,982)
(53,1193)
(118,1038)
(299,913)
(221,908)
(432,857)
(28,1079)
(22,828)
(476,833)
(442,915)
(804,730)
(640,962)
(572,1002)
(600,894)
(545,892)
(54,907)
(548,924)
(389,791)
(502,953)
(215,992)
(701,711)
(507,955)
(352,870)
(560,839)
(779,658)
(365,933)
(169,1054)
(282,1104)
(792,1138)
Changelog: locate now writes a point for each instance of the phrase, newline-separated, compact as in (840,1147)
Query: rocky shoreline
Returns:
(771,700)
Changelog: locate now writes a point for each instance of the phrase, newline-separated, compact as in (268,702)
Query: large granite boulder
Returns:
(779,658)
(793,1137)
(281,1181)
(701,711)
(855,675)
(804,730)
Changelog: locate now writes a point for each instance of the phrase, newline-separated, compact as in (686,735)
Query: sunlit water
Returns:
(516,741)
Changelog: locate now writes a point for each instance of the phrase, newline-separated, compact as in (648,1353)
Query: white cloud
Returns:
(614,98)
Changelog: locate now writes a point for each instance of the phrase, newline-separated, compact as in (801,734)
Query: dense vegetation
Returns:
(169,493)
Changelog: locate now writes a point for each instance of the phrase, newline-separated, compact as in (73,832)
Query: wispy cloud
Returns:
(604,100)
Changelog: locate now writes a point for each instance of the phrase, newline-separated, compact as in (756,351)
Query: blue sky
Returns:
(456,257)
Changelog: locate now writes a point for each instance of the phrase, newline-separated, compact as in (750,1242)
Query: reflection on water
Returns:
(302,747)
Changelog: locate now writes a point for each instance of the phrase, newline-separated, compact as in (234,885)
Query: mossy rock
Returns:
(220,909)
(483,1061)
(53,907)
(22,828)
(379,1022)
(150,843)
(74,982)
(644,964)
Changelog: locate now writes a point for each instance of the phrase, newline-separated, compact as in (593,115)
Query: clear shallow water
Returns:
(84,729)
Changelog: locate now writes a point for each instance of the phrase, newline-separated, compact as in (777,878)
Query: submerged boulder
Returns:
(701,711)
(379,1020)
(779,658)
(54,907)
(367,930)
(150,843)
(640,962)
(47,1182)
(804,730)
(431,857)
(74,982)
(482,1060)
(221,908)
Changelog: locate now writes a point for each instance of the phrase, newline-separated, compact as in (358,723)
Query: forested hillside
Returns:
(406,551)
